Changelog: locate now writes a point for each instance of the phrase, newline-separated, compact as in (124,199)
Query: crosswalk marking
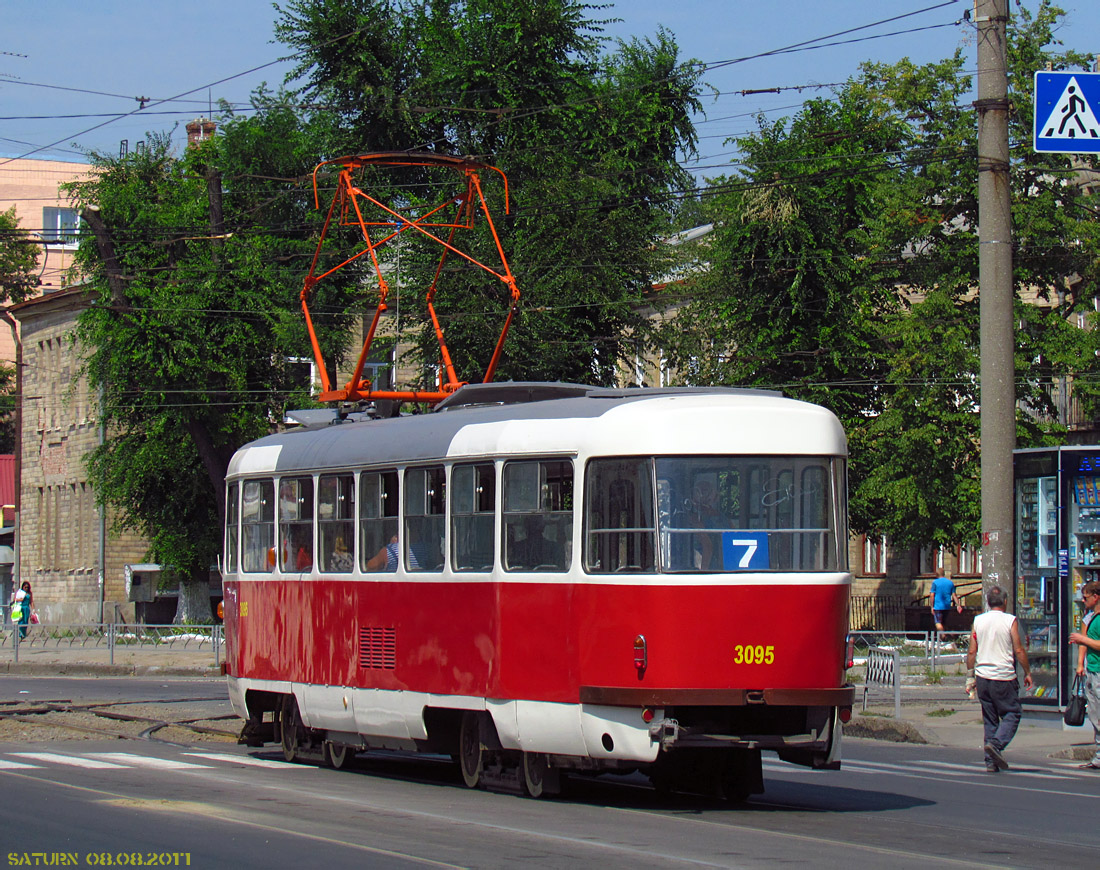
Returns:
(125,758)
(246,760)
(6,764)
(72,760)
(928,768)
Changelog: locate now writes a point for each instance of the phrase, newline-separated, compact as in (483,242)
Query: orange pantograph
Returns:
(346,208)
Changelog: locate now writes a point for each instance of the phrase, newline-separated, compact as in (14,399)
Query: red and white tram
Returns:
(537,578)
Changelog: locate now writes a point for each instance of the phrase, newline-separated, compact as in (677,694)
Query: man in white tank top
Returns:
(995,650)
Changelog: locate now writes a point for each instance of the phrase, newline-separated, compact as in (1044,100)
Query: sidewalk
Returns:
(942,715)
(96,661)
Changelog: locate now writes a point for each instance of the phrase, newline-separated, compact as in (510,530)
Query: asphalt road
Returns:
(20,687)
(893,806)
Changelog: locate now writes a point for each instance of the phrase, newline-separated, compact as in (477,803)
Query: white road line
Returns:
(247,760)
(1015,771)
(126,758)
(5,764)
(70,760)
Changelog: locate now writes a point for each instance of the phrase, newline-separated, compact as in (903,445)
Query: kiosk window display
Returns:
(1057,552)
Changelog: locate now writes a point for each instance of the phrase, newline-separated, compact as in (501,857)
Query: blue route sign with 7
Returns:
(1067,112)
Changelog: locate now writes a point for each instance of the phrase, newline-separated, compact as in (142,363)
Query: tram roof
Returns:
(563,419)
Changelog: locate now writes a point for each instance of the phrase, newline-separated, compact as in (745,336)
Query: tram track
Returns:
(59,719)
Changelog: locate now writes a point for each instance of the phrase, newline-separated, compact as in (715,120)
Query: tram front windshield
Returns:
(715,514)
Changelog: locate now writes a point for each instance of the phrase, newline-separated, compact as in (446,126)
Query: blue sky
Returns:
(70,65)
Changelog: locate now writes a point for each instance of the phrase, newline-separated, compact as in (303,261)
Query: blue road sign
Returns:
(1067,108)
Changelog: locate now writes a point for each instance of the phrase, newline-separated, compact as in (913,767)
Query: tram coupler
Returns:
(664,732)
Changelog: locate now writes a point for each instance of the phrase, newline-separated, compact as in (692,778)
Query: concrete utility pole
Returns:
(998,376)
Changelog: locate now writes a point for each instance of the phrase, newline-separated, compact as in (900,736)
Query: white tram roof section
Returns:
(596,422)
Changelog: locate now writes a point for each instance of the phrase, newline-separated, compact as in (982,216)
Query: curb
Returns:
(891,730)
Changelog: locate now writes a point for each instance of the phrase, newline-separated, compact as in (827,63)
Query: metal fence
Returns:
(71,639)
(927,651)
(877,612)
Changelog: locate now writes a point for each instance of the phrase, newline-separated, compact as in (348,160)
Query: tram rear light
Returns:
(641,655)
(647,715)
(845,714)
(850,653)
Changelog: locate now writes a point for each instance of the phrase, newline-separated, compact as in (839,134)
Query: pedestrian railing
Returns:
(918,650)
(883,672)
(109,637)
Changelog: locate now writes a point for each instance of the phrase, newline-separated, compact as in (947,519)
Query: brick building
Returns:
(75,566)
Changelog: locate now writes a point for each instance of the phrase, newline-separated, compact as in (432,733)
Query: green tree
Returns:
(194,264)
(18,281)
(844,270)
(589,142)
(18,260)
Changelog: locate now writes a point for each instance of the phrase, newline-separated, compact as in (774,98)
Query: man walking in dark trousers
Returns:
(995,650)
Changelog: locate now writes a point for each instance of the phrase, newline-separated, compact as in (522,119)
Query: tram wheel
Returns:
(470,754)
(291,729)
(539,778)
(338,755)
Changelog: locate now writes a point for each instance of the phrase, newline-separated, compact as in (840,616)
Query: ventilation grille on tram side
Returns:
(378,648)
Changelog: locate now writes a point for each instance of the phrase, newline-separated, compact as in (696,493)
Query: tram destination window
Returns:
(473,506)
(232,515)
(258,526)
(425,518)
(704,514)
(738,513)
(336,522)
(538,516)
(378,519)
(296,524)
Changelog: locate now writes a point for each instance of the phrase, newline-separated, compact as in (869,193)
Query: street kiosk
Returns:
(1057,492)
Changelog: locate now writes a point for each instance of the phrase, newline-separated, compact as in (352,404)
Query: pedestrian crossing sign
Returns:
(1067,112)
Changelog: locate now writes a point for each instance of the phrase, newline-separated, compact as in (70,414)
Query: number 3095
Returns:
(753,655)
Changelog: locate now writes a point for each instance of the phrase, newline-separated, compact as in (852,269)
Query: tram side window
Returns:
(232,514)
(258,526)
(619,516)
(425,518)
(378,513)
(336,522)
(538,515)
(473,506)
(296,524)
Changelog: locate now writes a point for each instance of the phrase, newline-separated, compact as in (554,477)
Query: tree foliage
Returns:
(18,260)
(844,270)
(18,281)
(589,142)
(192,323)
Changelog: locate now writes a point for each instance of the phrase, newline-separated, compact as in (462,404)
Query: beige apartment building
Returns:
(33,186)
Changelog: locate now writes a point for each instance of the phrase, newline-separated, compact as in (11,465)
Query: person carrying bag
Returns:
(1088,667)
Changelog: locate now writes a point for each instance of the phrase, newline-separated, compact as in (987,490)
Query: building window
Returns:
(970,560)
(874,554)
(930,560)
(60,225)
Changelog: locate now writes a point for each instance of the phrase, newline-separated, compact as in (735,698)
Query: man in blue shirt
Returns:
(943,598)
